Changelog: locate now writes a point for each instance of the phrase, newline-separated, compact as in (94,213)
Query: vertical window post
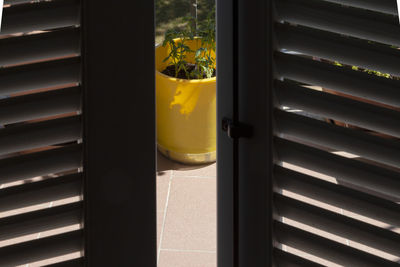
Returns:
(119,133)
(1,12)
(398,9)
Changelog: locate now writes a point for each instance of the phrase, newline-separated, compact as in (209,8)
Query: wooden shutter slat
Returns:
(384,6)
(41,249)
(40,16)
(48,190)
(337,224)
(283,258)
(337,195)
(325,248)
(40,221)
(39,75)
(345,80)
(71,263)
(354,22)
(40,47)
(40,163)
(353,141)
(40,105)
(348,170)
(35,135)
(353,112)
(336,47)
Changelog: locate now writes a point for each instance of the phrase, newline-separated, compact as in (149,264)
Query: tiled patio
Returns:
(186,213)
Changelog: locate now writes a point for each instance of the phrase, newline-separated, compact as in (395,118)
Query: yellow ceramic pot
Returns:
(186,114)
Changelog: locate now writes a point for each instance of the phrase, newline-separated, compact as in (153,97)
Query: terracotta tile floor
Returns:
(186,212)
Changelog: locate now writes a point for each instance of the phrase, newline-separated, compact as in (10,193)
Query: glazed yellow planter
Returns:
(186,114)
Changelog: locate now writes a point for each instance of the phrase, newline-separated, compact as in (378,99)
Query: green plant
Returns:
(179,49)
(204,65)
(373,72)
(205,62)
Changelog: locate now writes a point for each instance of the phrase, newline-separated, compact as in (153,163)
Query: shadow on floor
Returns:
(164,164)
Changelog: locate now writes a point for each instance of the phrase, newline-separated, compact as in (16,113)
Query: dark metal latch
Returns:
(236,130)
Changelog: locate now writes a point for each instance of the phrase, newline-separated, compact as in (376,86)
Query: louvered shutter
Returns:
(318,182)
(71,192)
(41,127)
(349,202)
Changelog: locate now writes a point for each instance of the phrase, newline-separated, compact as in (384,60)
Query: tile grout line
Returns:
(164,217)
(189,250)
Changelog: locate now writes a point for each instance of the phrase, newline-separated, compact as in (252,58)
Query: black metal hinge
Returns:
(236,130)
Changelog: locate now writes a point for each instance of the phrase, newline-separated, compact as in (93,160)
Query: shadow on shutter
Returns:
(337,130)
(41,206)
